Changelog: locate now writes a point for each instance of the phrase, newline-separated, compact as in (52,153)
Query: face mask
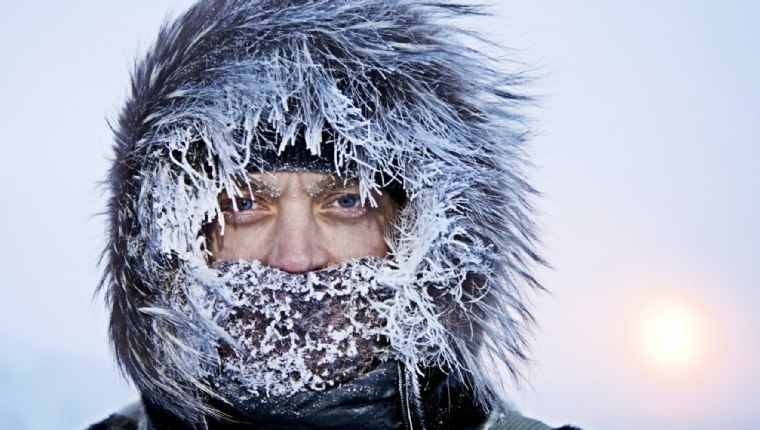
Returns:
(282,332)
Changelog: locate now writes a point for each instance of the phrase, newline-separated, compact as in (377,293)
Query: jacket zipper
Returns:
(403,389)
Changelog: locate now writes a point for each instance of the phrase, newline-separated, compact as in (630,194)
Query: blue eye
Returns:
(242,204)
(347,201)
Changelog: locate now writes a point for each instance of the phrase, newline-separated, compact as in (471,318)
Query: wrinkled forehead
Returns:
(312,182)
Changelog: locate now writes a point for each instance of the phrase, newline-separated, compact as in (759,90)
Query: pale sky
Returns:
(646,153)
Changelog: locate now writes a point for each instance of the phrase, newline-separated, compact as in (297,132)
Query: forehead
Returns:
(308,180)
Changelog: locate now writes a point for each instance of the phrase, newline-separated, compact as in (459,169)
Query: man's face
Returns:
(301,221)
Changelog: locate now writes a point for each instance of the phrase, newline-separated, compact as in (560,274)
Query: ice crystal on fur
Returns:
(405,102)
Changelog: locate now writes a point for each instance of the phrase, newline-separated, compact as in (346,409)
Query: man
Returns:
(318,219)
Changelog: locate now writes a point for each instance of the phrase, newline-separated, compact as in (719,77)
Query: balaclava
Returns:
(385,91)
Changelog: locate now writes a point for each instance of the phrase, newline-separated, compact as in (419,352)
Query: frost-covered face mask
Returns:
(293,332)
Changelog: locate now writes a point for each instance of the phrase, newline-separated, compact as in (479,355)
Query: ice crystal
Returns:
(296,331)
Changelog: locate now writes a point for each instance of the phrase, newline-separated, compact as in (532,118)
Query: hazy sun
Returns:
(672,337)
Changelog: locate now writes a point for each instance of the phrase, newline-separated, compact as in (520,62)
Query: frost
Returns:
(427,114)
(295,331)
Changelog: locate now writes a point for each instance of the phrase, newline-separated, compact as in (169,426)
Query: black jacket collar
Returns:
(383,399)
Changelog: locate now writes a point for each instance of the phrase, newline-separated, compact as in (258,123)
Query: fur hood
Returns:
(405,102)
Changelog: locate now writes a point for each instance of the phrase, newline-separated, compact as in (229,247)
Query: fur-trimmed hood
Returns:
(404,101)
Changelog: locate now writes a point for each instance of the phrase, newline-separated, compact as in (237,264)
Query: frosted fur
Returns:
(403,97)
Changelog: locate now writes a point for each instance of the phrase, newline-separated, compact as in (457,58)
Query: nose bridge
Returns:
(296,247)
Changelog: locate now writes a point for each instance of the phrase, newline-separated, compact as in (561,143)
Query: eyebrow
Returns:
(334,182)
(249,183)
(256,183)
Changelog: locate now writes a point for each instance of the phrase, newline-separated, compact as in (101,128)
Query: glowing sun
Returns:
(672,337)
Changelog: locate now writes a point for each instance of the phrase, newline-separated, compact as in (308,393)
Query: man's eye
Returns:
(242,204)
(347,201)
